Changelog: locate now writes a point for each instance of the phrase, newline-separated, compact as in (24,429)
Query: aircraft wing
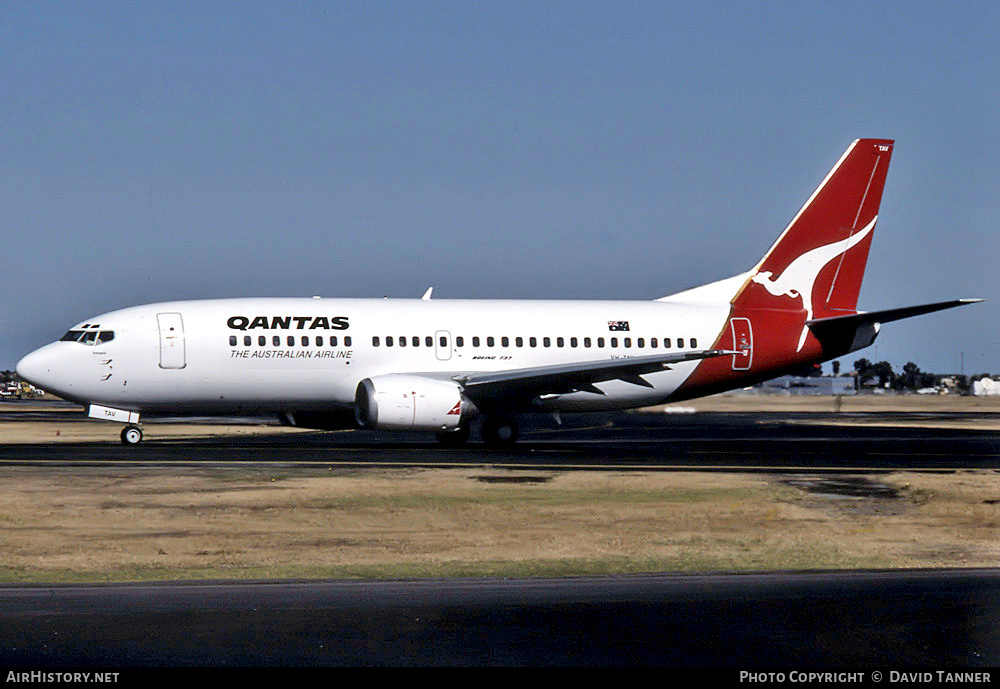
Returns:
(528,383)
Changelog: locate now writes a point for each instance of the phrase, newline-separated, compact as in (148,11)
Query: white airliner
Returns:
(436,365)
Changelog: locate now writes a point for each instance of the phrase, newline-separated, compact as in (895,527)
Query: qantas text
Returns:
(288,322)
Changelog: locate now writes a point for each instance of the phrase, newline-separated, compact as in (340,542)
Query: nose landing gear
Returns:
(131,435)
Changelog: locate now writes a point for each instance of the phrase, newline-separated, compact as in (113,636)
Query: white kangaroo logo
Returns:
(799,277)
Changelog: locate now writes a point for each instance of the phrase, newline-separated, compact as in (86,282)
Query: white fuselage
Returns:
(273,354)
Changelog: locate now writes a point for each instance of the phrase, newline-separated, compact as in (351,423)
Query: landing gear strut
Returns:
(500,431)
(131,435)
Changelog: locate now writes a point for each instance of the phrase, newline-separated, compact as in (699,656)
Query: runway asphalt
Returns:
(751,441)
(885,620)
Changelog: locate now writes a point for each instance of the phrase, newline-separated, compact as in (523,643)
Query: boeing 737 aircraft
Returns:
(436,365)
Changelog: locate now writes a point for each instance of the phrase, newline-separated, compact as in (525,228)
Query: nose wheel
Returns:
(131,435)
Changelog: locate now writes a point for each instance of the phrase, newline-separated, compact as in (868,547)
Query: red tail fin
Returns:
(814,270)
(819,260)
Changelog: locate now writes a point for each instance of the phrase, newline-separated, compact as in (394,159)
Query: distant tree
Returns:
(886,376)
(863,370)
(912,377)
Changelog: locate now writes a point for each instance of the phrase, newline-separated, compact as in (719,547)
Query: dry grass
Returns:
(135,523)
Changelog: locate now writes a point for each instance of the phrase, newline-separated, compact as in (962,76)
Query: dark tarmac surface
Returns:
(887,620)
(751,441)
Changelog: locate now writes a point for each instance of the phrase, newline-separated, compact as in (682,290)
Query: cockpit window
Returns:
(88,337)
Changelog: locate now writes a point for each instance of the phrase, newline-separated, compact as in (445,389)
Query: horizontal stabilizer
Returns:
(843,334)
(888,315)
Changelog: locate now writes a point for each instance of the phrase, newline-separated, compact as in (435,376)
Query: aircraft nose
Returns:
(37,367)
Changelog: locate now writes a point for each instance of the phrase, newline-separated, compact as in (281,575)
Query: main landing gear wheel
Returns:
(455,438)
(499,431)
(131,435)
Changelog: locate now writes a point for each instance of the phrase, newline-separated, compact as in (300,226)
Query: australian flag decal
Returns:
(617,325)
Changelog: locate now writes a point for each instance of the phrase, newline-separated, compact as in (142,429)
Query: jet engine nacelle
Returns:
(405,402)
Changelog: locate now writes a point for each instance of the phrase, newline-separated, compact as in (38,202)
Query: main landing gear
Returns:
(455,438)
(131,435)
(499,431)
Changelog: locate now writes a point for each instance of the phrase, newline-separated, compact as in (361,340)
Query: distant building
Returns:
(797,385)
(985,386)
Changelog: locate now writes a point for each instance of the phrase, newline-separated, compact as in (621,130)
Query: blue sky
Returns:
(159,151)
